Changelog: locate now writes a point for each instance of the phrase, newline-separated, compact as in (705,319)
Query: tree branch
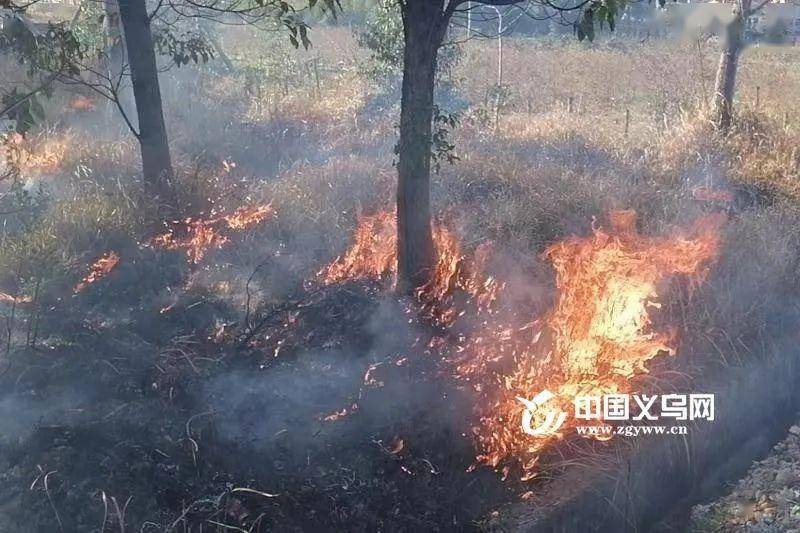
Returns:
(48,81)
(759,7)
(527,3)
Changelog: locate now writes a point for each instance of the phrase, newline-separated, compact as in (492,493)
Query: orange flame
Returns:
(10,299)
(37,156)
(340,414)
(601,329)
(195,236)
(82,103)
(596,338)
(98,270)
(707,194)
(373,255)
(247,217)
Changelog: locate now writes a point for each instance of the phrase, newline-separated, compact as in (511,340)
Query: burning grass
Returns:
(39,156)
(11,299)
(598,336)
(98,270)
(195,236)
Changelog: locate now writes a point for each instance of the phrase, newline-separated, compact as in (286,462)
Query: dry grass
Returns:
(269,133)
(320,84)
(650,79)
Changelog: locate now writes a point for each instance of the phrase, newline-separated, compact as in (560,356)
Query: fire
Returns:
(82,103)
(98,270)
(607,283)
(10,299)
(598,336)
(707,194)
(195,236)
(38,156)
(601,329)
(246,217)
(340,414)
(199,237)
(373,255)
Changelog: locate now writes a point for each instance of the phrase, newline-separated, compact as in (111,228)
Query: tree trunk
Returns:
(215,41)
(725,84)
(152,135)
(115,59)
(114,47)
(423,28)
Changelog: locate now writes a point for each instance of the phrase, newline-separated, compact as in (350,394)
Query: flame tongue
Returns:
(98,270)
(247,217)
(606,283)
(373,255)
(11,299)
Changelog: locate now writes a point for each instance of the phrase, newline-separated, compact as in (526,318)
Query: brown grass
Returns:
(544,170)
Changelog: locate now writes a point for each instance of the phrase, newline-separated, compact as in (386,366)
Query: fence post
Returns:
(627,120)
(316,76)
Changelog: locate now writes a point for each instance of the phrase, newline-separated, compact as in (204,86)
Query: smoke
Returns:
(254,409)
(22,413)
(367,378)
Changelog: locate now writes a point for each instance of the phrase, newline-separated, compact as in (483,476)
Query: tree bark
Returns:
(152,132)
(115,61)
(725,84)
(114,47)
(424,24)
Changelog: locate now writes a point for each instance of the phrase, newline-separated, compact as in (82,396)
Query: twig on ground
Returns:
(253,491)
(50,499)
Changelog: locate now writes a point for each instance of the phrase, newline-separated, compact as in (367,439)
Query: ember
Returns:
(338,415)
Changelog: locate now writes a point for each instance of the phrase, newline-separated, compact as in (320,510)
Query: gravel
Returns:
(766,500)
